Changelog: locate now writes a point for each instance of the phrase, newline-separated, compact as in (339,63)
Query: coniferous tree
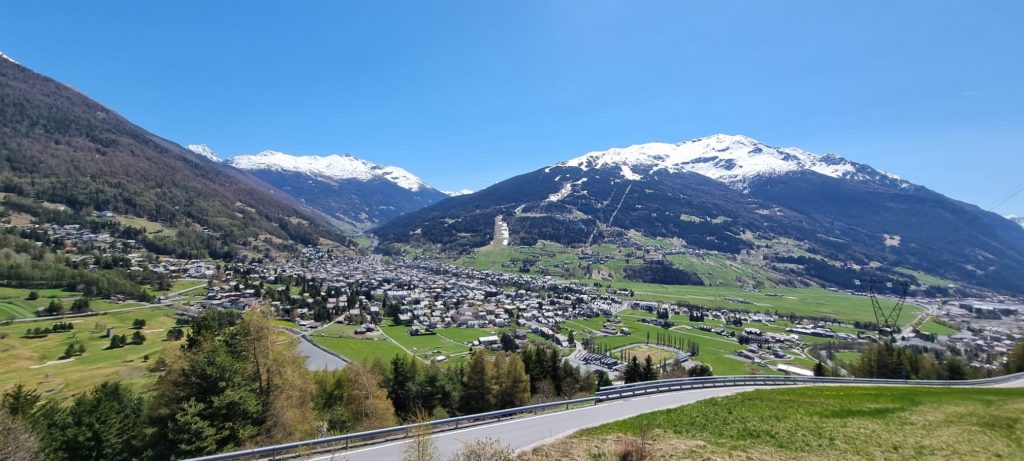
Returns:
(401,390)
(633,372)
(649,372)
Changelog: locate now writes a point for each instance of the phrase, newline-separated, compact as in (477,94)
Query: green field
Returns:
(848,357)
(715,351)
(449,342)
(468,335)
(151,227)
(14,302)
(15,305)
(820,423)
(359,350)
(930,326)
(184,284)
(815,302)
(24,360)
(425,345)
(721,274)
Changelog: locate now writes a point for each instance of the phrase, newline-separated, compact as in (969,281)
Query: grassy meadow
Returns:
(724,278)
(36,362)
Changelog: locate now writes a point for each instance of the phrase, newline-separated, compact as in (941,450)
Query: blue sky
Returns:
(467,93)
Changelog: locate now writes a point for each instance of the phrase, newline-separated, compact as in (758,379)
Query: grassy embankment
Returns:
(819,423)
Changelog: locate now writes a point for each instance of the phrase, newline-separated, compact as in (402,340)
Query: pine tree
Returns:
(649,372)
(633,372)
(401,390)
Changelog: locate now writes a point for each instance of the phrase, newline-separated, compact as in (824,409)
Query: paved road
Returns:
(527,432)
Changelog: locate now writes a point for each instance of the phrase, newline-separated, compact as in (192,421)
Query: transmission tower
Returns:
(886,319)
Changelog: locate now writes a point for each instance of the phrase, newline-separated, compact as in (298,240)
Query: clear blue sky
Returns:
(467,93)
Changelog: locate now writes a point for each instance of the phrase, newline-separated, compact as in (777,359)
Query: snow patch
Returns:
(8,58)
(562,193)
(204,151)
(629,174)
(330,166)
(456,193)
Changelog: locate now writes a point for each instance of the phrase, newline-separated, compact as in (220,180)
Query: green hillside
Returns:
(819,423)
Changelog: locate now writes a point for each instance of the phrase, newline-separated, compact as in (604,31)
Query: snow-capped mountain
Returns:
(204,151)
(735,160)
(456,193)
(356,191)
(729,194)
(330,166)
(1017,219)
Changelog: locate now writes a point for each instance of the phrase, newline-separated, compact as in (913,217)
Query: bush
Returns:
(484,450)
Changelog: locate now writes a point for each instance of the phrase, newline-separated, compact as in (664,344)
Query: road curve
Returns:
(527,432)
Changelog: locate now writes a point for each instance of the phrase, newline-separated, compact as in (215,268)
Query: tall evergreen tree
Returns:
(401,389)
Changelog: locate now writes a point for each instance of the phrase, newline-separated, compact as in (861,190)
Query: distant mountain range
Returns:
(733,194)
(730,194)
(59,146)
(357,192)
(1018,220)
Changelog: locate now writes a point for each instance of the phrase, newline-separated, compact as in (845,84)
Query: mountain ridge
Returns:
(59,145)
(733,159)
(715,194)
(352,190)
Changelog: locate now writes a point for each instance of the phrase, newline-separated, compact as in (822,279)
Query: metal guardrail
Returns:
(346,440)
(669,385)
(604,394)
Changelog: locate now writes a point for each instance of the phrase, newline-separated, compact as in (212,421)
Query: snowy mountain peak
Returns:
(733,159)
(204,151)
(456,193)
(332,166)
(1016,219)
(7,58)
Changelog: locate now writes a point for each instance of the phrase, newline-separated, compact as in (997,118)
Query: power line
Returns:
(1007,198)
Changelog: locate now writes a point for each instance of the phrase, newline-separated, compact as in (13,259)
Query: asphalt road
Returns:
(527,432)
